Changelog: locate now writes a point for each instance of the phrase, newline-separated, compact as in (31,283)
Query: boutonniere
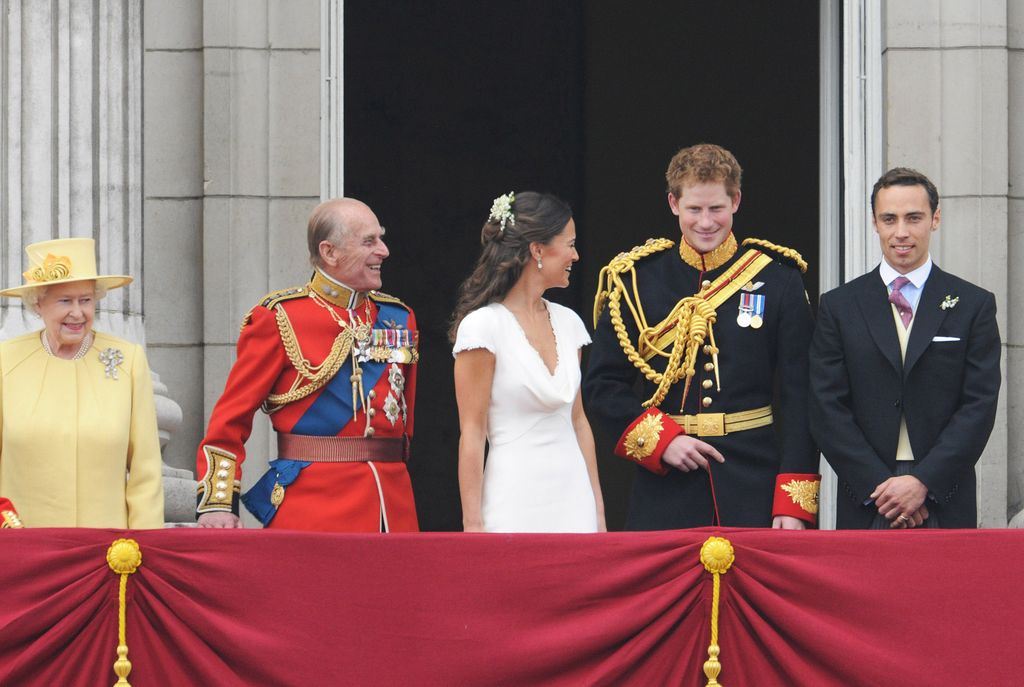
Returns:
(950,302)
(111,359)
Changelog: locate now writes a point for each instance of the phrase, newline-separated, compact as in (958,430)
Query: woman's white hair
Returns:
(31,297)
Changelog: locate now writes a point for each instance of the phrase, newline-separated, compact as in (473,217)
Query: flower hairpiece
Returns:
(501,211)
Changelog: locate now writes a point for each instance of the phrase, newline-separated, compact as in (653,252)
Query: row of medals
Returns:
(380,353)
(747,317)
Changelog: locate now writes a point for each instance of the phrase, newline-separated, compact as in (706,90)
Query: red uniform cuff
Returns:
(8,515)
(645,440)
(796,495)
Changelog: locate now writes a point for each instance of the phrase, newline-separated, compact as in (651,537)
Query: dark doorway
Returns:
(451,103)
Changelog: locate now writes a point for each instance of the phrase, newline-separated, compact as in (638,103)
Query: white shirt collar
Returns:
(917,277)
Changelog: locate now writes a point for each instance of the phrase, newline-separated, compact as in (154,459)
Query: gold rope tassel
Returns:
(124,557)
(717,555)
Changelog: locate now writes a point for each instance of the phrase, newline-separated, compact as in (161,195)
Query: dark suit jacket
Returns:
(946,389)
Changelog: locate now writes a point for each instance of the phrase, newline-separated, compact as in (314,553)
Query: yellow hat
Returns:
(61,261)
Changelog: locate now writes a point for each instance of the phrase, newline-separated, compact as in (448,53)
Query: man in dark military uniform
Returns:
(720,335)
(334,364)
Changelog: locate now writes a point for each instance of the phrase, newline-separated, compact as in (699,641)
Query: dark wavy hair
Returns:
(905,176)
(539,218)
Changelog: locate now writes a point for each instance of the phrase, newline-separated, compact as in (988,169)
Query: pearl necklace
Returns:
(82,350)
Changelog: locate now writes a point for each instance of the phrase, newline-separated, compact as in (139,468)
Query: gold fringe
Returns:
(124,557)
(717,555)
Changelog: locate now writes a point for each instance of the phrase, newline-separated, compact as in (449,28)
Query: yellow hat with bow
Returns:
(61,261)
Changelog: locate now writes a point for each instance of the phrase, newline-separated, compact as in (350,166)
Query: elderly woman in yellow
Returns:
(78,435)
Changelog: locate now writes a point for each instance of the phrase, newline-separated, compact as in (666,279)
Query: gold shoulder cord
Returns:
(781,250)
(691,320)
(612,288)
(314,376)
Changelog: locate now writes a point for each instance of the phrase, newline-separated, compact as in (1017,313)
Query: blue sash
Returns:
(326,417)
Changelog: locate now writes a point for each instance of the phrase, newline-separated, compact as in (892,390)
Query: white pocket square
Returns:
(946,338)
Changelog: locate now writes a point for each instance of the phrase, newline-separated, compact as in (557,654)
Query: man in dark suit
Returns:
(904,372)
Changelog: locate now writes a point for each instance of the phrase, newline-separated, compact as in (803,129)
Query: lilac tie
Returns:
(898,299)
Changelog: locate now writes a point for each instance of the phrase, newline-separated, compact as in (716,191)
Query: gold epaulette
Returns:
(381,297)
(275,297)
(608,280)
(779,251)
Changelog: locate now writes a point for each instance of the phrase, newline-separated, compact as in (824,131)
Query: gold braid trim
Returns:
(609,280)
(315,376)
(797,259)
(691,309)
(381,297)
(693,317)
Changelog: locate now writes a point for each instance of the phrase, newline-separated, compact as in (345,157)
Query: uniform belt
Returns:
(720,424)
(341,449)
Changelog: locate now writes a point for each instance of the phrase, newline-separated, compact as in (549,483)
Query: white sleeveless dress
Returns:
(535,477)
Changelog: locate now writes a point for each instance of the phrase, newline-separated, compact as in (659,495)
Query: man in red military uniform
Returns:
(334,365)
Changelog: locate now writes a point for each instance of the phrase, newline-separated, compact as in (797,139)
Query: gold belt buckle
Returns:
(711,424)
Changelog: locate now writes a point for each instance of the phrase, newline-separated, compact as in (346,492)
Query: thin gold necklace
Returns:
(82,349)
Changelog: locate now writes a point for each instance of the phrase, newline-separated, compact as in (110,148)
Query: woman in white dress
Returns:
(517,378)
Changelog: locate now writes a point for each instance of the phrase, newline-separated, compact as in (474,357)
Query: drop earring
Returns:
(540,265)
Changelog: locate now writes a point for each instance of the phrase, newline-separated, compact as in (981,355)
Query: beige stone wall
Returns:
(173,208)
(232,169)
(1014,332)
(948,113)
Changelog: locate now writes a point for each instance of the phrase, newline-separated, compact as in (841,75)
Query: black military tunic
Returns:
(758,366)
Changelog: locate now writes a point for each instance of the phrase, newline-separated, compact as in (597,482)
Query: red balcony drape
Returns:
(251,607)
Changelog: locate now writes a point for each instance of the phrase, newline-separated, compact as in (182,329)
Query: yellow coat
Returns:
(79,448)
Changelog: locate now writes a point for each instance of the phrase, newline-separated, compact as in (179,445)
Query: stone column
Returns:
(1014,332)
(261,171)
(71,151)
(71,143)
(946,114)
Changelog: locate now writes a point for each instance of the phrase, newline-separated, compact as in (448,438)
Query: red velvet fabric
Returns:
(251,607)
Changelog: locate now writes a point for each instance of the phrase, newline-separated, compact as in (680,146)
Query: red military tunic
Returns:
(301,326)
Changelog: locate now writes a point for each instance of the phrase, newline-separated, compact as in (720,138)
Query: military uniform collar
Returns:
(713,259)
(333,291)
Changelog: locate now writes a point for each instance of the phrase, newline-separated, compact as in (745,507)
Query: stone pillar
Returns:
(71,154)
(71,144)
(261,172)
(173,210)
(946,114)
(1014,332)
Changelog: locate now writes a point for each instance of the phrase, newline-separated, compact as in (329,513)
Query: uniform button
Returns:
(222,474)
(369,431)
(372,394)
(222,485)
(708,367)
(707,349)
(705,284)
(224,464)
(220,495)
(706,401)
(706,383)
(896,403)
(371,412)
